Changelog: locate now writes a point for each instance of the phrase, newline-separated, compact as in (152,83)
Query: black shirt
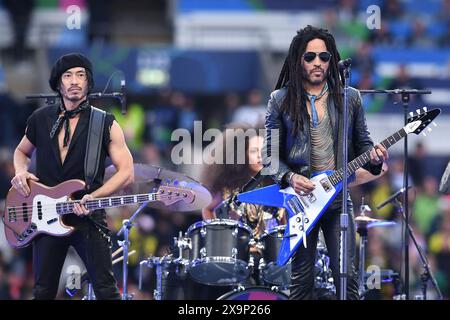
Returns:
(49,168)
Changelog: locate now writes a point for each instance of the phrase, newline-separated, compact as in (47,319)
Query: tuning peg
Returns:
(429,129)
(424,134)
(425,109)
(418,111)
(434,124)
(411,114)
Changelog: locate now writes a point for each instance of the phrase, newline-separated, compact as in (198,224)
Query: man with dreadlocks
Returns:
(59,134)
(306,109)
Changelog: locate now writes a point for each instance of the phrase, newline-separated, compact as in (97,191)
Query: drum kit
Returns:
(216,253)
(215,256)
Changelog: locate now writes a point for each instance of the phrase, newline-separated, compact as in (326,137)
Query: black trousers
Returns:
(49,254)
(303,261)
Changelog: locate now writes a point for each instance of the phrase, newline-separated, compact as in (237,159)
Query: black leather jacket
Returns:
(295,152)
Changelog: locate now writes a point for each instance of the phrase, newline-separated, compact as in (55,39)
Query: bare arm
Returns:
(22,156)
(208,212)
(123,161)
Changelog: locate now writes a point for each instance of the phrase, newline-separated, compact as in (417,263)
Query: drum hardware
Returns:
(158,292)
(262,264)
(183,244)
(275,288)
(254,293)
(150,263)
(90,291)
(234,253)
(148,178)
(251,262)
(363,224)
(163,268)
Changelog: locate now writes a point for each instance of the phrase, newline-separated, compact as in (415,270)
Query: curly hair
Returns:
(291,74)
(219,177)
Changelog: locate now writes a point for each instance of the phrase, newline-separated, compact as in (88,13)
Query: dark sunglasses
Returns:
(310,56)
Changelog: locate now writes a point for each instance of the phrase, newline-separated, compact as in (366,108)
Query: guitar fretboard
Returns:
(101,203)
(364,158)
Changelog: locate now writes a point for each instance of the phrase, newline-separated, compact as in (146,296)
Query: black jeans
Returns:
(49,254)
(303,261)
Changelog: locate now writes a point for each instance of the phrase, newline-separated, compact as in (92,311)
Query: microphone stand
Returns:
(50,98)
(344,213)
(427,274)
(223,208)
(405,94)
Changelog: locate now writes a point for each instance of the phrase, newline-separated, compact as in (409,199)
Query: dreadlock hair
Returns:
(291,74)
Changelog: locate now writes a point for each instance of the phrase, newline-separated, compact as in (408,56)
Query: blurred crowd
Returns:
(148,132)
(151,119)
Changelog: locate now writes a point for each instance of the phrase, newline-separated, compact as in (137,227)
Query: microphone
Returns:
(123,97)
(251,184)
(222,208)
(392,197)
(344,64)
(95,95)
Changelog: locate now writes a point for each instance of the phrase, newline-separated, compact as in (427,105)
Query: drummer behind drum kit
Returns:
(215,254)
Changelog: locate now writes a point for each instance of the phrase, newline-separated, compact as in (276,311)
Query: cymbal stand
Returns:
(427,274)
(127,224)
(363,233)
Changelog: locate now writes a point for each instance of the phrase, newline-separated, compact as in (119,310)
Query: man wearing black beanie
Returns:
(59,134)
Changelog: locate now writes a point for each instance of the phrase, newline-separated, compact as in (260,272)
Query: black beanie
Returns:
(67,62)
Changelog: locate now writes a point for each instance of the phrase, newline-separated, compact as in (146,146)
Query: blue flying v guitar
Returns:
(305,211)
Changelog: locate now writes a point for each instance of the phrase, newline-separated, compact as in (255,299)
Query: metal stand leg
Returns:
(362,261)
(158,293)
(90,293)
(125,244)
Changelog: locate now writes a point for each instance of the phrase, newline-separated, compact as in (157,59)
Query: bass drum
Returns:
(254,293)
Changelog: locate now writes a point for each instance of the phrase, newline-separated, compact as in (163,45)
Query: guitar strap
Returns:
(92,159)
(94,145)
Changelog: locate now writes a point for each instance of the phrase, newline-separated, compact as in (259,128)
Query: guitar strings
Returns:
(21,209)
(96,200)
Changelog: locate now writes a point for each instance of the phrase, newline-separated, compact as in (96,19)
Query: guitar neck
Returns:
(364,158)
(103,203)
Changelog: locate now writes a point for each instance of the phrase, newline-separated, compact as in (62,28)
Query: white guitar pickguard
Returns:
(50,221)
(314,204)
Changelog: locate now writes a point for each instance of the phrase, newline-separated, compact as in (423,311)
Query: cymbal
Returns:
(365,221)
(148,178)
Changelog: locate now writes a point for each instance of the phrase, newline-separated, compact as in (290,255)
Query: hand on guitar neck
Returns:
(378,155)
(79,209)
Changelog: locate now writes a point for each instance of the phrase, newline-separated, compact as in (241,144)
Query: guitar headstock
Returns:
(170,195)
(418,122)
